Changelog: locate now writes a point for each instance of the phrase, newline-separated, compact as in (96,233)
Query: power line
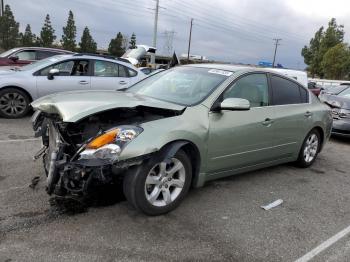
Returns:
(276,44)
(239,20)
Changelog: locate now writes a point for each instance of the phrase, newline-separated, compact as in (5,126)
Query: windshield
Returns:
(335,90)
(42,63)
(345,93)
(8,52)
(182,85)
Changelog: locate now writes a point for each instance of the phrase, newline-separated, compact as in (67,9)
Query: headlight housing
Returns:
(110,144)
(344,113)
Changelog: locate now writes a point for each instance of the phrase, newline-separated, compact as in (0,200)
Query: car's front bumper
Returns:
(341,127)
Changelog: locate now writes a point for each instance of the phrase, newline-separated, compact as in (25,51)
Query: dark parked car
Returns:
(25,55)
(314,88)
(338,98)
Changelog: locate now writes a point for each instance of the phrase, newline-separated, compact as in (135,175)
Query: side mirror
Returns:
(235,104)
(52,73)
(14,58)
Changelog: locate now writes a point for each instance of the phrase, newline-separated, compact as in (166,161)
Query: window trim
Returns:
(37,73)
(220,97)
(269,74)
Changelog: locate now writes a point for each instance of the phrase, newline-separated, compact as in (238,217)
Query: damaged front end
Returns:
(77,156)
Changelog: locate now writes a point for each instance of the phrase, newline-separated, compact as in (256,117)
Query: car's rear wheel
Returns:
(157,188)
(14,103)
(309,149)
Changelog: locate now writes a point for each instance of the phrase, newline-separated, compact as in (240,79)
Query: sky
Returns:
(237,31)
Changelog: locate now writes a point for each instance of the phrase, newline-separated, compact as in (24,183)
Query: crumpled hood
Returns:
(334,100)
(76,105)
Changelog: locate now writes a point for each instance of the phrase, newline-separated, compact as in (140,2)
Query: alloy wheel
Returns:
(12,104)
(165,182)
(311,148)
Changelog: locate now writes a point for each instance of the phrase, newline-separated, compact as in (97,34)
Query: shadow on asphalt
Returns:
(101,196)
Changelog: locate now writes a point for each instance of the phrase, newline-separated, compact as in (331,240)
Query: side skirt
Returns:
(204,177)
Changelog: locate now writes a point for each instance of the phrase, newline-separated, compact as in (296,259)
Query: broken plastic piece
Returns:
(34,182)
(273,204)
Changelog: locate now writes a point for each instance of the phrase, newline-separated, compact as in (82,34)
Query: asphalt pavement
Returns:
(222,221)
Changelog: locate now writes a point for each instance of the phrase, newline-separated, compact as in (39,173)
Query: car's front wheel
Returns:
(157,188)
(309,149)
(14,103)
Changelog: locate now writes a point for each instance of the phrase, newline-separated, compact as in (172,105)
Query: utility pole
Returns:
(153,56)
(189,42)
(276,44)
(1,7)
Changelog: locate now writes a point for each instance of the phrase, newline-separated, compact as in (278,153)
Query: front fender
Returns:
(161,132)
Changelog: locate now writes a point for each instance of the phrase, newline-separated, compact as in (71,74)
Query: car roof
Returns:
(238,68)
(93,57)
(45,49)
(247,69)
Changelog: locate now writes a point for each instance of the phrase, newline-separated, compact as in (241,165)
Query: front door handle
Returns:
(83,82)
(122,82)
(308,114)
(267,122)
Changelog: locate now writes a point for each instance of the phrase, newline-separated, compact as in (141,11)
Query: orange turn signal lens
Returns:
(106,138)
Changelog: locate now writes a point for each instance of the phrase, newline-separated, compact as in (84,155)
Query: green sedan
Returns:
(176,129)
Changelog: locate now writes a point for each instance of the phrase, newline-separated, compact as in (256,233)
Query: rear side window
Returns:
(108,69)
(304,95)
(26,55)
(132,72)
(286,92)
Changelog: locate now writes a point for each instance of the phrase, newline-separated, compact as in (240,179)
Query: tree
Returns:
(9,35)
(132,43)
(311,53)
(47,33)
(336,62)
(69,33)
(28,38)
(320,44)
(116,45)
(87,44)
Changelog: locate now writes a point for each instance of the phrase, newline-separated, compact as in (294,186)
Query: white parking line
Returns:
(324,245)
(19,140)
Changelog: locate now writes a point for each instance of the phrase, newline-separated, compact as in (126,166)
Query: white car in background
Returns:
(20,86)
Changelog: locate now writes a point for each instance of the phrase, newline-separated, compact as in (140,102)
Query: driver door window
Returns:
(28,55)
(69,68)
(253,87)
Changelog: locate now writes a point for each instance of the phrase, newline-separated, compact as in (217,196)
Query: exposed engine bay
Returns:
(78,155)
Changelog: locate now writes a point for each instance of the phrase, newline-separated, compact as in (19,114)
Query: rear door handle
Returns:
(83,82)
(267,122)
(122,82)
(308,114)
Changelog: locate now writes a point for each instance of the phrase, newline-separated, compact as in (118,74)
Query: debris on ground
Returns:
(273,204)
(34,182)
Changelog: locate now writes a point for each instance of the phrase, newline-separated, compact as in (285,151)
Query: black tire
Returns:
(22,107)
(134,186)
(302,162)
